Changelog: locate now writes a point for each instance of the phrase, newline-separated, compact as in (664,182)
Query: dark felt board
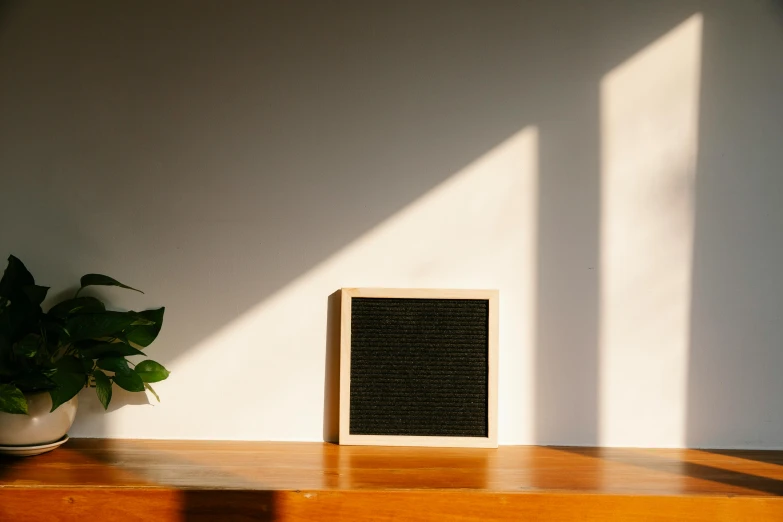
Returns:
(419,367)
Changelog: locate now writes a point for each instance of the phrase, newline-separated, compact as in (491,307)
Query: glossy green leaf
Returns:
(10,365)
(28,346)
(5,334)
(15,278)
(114,364)
(69,364)
(87,365)
(53,328)
(129,381)
(146,385)
(12,399)
(151,371)
(103,280)
(69,378)
(20,315)
(94,326)
(82,305)
(102,388)
(109,350)
(143,335)
(35,294)
(34,381)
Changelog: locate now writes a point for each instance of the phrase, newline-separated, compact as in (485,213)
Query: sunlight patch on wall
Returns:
(475,230)
(649,133)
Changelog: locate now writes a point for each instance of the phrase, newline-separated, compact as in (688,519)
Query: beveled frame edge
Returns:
(346,296)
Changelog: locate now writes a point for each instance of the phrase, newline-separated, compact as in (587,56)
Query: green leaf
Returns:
(86,365)
(69,378)
(144,335)
(53,329)
(129,381)
(34,381)
(104,324)
(109,350)
(102,388)
(152,391)
(151,371)
(12,399)
(82,305)
(10,365)
(114,364)
(15,278)
(68,386)
(28,346)
(20,311)
(35,294)
(102,280)
(69,364)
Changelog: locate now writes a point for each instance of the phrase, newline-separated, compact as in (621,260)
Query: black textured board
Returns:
(419,367)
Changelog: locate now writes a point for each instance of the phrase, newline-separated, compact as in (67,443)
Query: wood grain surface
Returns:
(210,480)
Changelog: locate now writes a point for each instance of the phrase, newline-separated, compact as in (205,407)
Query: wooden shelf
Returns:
(90,479)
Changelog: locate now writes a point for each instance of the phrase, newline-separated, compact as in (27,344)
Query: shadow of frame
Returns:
(331,428)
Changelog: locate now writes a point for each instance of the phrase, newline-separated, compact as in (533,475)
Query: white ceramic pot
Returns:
(40,426)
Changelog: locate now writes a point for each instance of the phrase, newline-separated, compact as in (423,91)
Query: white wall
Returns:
(614,168)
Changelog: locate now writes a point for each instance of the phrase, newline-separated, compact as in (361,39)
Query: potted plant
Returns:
(46,358)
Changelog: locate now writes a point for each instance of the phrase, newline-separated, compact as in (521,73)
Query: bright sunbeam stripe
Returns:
(649,132)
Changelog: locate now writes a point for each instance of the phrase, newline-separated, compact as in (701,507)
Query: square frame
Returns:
(346,438)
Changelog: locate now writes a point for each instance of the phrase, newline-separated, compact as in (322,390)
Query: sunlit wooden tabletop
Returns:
(210,480)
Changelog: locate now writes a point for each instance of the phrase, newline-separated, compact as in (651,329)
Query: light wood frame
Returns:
(491,441)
